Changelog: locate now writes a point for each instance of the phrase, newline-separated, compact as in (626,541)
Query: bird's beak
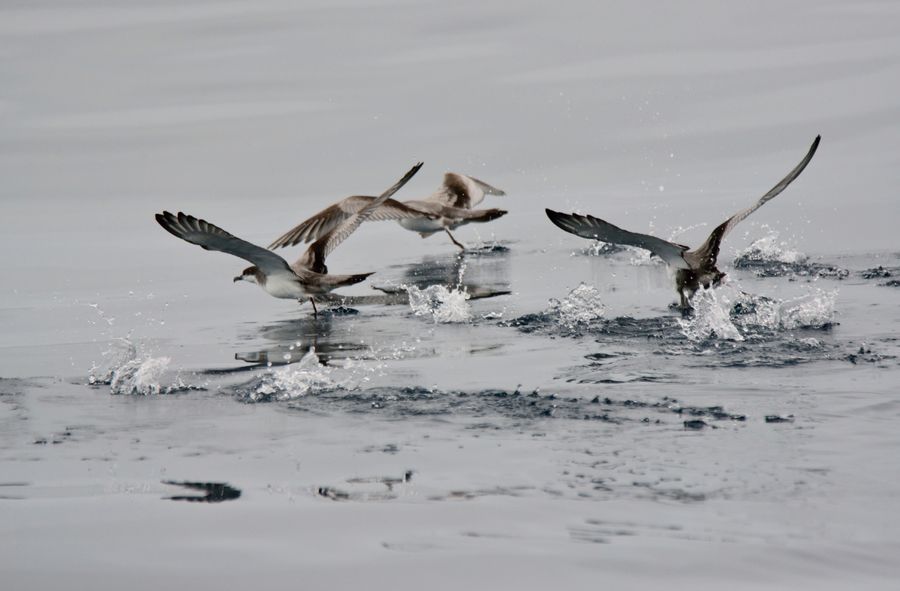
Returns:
(238,278)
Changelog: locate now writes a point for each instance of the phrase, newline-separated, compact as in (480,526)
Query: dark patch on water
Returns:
(501,408)
(596,531)
(390,448)
(54,439)
(12,486)
(492,249)
(656,328)
(214,492)
(779,419)
(865,355)
(10,387)
(697,424)
(764,267)
(880,272)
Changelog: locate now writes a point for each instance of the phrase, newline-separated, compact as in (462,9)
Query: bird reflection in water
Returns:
(335,334)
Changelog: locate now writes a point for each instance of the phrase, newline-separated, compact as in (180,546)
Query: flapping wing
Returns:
(331,217)
(462,191)
(593,228)
(211,237)
(314,257)
(708,252)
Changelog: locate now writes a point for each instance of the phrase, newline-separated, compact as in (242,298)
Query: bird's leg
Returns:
(454,239)
(685,306)
(315,311)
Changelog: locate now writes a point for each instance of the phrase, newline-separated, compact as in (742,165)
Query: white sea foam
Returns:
(441,304)
(582,306)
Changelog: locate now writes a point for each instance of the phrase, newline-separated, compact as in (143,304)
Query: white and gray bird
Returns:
(446,209)
(694,268)
(307,277)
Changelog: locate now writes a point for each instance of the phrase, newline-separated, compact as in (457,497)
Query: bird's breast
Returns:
(284,286)
(422,224)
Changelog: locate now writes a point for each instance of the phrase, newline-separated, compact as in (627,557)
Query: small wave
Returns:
(582,306)
(441,304)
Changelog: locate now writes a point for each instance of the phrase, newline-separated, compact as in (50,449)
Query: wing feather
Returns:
(318,251)
(593,228)
(211,237)
(707,253)
(459,190)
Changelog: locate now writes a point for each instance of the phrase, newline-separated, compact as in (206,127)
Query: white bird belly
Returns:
(284,287)
(422,224)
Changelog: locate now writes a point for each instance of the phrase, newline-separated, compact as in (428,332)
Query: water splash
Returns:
(769,250)
(140,377)
(293,381)
(711,317)
(582,306)
(443,305)
(128,371)
(811,310)
(730,314)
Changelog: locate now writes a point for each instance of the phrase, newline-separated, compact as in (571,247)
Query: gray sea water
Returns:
(536,416)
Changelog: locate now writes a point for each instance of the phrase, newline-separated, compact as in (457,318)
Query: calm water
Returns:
(562,427)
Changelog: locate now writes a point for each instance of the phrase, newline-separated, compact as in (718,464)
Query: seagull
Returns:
(307,277)
(694,268)
(446,209)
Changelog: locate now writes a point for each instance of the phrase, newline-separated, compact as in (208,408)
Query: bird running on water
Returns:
(446,209)
(694,268)
(307,277)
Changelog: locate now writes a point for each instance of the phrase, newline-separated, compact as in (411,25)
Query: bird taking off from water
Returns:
(307,277)
(694,268)
(446,209)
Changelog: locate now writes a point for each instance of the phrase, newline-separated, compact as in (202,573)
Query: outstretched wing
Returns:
(588,226)
(314,257)
(331,217)
(707,253)
(462,191)
(211,237)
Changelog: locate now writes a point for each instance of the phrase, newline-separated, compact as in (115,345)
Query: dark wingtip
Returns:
(165,219)
(556,217)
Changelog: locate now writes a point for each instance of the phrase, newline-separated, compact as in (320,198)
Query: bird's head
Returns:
(250,274)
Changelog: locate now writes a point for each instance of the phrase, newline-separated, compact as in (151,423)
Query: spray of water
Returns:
(582,306)
(439,303)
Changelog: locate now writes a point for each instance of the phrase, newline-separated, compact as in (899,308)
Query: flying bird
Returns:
(307,277)
(694,268)
(446,209)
